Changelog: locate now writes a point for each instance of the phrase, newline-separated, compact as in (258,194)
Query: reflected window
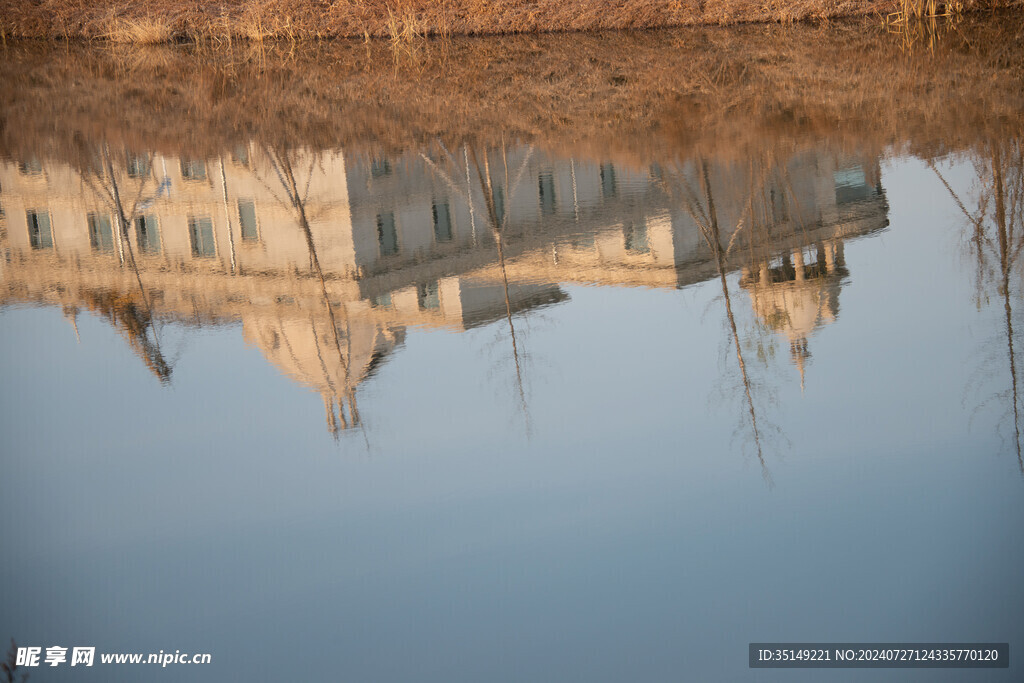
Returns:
(380,168)
(387,234)
(381,301)
(442,222)
(40,235)
(584,240)
(546,186)
(147,234)
(608,186)
(240,156)
(779,205)
(97,164)
(427,296)
(192,169)
(101,234)
(31,167)
(200,234)
(636,238)
(138,166)
(247,220)
(499,203)
(851,185)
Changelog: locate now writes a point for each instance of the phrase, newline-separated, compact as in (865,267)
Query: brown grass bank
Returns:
(628,96)
(156,21)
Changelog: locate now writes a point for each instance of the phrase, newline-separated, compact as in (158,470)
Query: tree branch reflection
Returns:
(996,240)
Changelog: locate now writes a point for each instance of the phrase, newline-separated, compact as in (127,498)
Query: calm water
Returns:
(500,408)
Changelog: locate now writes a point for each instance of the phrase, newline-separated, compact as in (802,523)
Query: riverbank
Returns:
(159,21)
(663,93)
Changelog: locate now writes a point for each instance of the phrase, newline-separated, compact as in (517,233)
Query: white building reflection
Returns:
(405,241)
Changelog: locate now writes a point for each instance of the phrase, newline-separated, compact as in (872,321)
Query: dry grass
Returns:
(227,20)
(908,11)
(626,96)
(139,31)
(404,26)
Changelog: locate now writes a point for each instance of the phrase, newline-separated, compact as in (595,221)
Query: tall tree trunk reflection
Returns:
(497,219)
(122,311)
(997,237)
(1007,255)
(705,216)
(281,161)
(712,236)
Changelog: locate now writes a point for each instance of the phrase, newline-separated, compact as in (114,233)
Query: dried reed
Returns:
(404,20)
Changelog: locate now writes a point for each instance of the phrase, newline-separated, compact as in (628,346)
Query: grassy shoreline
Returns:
(163,21)
(628,96)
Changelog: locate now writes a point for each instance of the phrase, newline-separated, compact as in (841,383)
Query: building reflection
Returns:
(327,258)
(795,274)
(794,298)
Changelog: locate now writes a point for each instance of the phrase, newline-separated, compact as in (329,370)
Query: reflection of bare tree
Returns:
(996,241)
(498,189)
(296,197)
(133,321)
(700,205)
(123,311)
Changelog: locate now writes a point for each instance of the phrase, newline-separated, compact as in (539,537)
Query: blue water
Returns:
(609,496)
